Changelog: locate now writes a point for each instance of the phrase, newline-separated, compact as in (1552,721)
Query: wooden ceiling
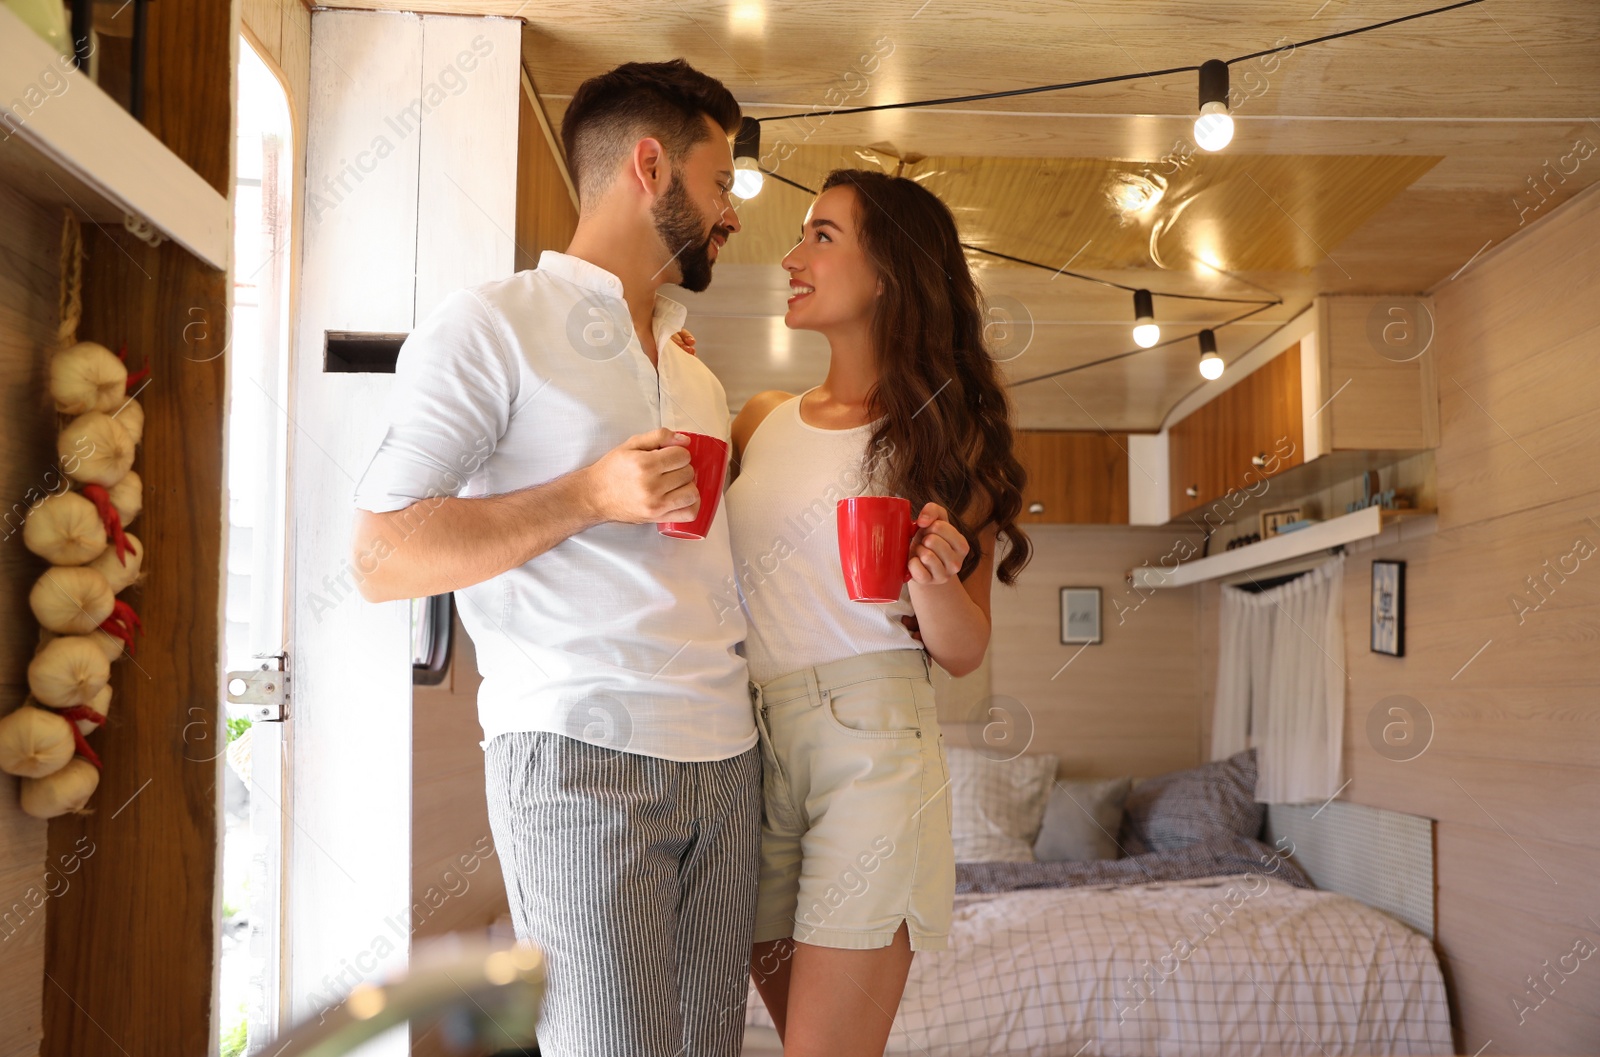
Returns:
(1385,162)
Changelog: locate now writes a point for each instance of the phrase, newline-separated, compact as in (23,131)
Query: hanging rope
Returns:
(71,293)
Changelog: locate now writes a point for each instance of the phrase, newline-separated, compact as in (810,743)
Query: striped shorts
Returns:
(636,877)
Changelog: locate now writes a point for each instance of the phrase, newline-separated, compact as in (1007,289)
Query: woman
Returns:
(857,871)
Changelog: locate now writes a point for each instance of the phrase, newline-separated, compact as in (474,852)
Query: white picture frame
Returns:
(1080,616)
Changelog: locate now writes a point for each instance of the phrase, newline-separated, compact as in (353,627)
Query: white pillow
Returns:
(996,806)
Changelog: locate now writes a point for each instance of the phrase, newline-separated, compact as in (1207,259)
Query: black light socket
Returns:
(747,142)
(1144,305)
(1213,82)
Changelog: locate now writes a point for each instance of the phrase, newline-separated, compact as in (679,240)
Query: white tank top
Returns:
(785,538)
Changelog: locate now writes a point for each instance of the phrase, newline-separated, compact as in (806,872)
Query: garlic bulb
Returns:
(72,599)
(119,574)
(65,791)
(127,495)
(95,449)
(68,671)
(102,705)
(87,377)
(109,644)
(34,742)
(64,529)
(130,416)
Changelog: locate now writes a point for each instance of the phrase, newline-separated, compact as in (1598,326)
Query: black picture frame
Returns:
(1388,608)
(1081,616)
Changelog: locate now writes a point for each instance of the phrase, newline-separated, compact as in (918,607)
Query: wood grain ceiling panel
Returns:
(1233,212)
(1531,60)
(1379,163)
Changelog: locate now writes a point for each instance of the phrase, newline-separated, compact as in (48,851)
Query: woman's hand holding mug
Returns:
(939,550)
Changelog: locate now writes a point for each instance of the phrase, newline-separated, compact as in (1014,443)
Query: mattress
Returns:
(1230,966)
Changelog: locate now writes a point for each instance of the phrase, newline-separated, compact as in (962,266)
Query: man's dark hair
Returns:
(613,111)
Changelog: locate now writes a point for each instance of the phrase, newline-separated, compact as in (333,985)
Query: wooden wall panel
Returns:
(456,883)
(1129,705)
(1080,477)
(1503,640)
(29,275)
(449,811)
(130,947)
(547,216)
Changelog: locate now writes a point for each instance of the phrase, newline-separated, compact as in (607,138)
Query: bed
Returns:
(1221,946)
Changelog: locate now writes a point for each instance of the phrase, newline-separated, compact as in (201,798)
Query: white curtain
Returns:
(1280,684)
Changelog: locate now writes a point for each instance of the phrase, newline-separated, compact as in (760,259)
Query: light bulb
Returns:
(1211,364)
(747,178)
(1145,331)
(1213,129)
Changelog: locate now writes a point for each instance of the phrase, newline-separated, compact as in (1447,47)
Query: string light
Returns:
(1259,307)
(1145,330)
(1211,364)
(1142,75)
(1213,129)
(747,178)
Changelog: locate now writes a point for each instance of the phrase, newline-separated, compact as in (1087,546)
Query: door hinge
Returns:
(265,689)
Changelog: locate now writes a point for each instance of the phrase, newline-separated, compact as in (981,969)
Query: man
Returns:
(534,443)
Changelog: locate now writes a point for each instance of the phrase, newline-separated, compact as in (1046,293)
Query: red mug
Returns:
(875,546)
(709,457)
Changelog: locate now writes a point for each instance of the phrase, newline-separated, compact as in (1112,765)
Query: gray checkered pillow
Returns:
(996,806)
(1176,810)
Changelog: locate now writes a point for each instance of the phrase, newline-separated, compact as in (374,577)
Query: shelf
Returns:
(64,142)
(1304,479)
(1347,528)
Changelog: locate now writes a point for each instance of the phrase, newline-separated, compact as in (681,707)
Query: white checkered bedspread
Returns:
(1222,967)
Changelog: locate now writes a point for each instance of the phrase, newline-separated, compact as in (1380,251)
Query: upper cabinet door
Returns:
(1214,450)
(1074,477)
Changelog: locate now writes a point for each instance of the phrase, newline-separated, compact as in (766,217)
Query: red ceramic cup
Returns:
(709,457)
(875,546)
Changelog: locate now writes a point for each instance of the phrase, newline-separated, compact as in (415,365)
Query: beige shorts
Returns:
(855,821)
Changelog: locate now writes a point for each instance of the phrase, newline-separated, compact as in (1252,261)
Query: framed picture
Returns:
(1271,520)
(1389,608)
(1080,615)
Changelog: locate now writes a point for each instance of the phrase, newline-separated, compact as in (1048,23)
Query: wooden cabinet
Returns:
(1077,477)
(1377,381)
(1348,386)
(1249,432)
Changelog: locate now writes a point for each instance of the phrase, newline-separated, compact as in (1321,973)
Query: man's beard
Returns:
(682,228)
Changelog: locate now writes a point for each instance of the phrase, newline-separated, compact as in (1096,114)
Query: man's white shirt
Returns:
(617,636)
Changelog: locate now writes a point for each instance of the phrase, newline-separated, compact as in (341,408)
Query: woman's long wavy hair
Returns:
(947,422)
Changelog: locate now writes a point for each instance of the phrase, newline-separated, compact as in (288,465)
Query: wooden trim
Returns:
(551,139)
